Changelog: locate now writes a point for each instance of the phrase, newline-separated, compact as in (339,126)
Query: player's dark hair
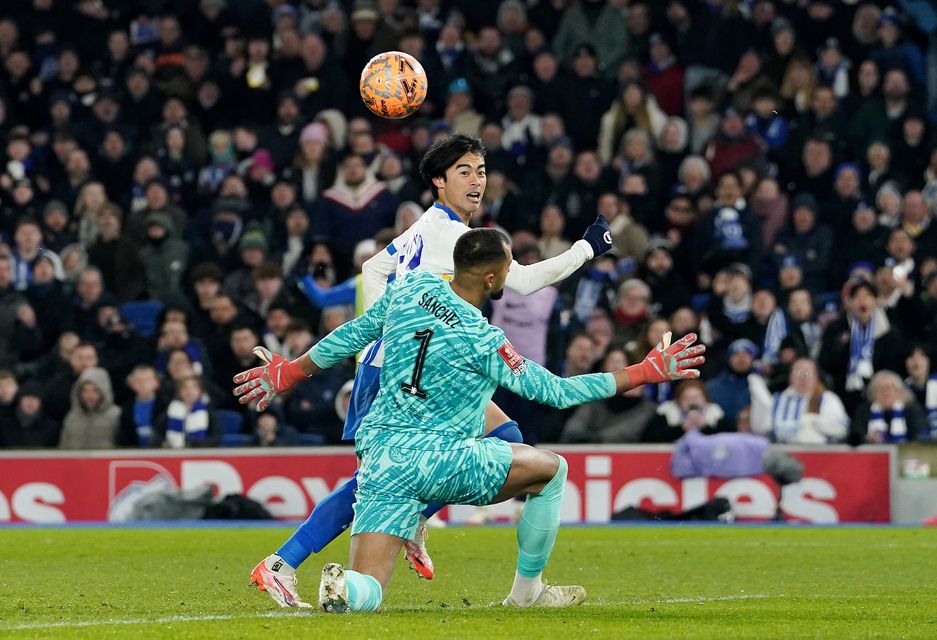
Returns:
(444,153)
(479,247)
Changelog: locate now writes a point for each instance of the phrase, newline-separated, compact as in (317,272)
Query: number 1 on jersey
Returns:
(413,387)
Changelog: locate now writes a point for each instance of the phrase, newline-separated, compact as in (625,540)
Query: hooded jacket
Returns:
(94,429)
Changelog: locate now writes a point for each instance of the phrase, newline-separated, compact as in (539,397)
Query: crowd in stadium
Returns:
(182,181)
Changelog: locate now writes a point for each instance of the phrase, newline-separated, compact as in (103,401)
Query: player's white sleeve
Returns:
(526,279)
(377,268)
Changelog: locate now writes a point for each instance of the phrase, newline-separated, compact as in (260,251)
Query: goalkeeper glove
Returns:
(266,382)
(668,361)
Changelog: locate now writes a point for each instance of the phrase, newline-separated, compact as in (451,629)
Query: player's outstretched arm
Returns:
(278,374)
(529,380)
(526,279)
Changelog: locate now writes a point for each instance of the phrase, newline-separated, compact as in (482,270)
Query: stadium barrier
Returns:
(839,485)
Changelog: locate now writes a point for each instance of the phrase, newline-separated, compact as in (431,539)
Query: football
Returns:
(393,85)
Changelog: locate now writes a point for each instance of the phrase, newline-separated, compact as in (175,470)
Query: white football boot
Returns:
(280,585)
(333,592)
(553,596)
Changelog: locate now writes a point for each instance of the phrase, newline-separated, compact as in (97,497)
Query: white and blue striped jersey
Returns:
(428,246)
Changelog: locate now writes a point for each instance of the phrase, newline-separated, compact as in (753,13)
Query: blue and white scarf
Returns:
(895,430)
(143,420)
(184,424)
(861,349)
(777,330)
(774,335)
(737,312)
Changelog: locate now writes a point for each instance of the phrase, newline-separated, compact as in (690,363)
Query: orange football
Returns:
(393,85)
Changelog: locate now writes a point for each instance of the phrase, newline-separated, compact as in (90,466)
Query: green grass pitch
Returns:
(643,582)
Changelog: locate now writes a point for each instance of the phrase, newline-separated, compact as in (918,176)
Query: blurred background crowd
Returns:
(184,179)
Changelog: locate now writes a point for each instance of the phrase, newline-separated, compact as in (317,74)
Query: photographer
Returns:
(690,409)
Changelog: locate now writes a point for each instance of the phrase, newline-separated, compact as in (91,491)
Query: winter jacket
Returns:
(95,428)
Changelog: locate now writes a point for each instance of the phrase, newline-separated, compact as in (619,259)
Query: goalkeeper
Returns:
(421,442)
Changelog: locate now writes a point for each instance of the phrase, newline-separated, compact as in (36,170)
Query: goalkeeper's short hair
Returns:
(479,247)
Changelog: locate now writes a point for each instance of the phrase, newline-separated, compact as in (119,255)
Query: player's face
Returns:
(464,185)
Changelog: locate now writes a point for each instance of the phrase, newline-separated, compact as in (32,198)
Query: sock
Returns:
(364,591)
(275,563)
(330,517)
(509,432)
(526,590)
(540,520)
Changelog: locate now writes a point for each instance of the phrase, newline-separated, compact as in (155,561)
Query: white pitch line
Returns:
(130,621)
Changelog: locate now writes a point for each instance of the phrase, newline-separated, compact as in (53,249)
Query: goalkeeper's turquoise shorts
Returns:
(399,476)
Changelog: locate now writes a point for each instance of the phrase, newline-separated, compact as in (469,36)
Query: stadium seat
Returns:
(231,422)
(142,314)
(311,439)
(235,440)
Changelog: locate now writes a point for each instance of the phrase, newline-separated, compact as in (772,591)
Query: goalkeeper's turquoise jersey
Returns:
(442,363)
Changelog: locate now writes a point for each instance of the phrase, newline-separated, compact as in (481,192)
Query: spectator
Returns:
(729,310)
(890,414)
(864,240)
(190,420)
(552,240)
(92,421)
(164,258)
(117,257)
(894,54)
(922,382)
(140,412)
(619,419)
(27,426)
(526,320)
(8,393)
(634,109)
(668,290)
(579,200)
(837,211)
(810,244)
(584,96)
(629,238)
(632,310)
(803,413)
(356,207)
(876,116)
(732,145)
(458,111)
(56,232)
(311,406)
(270,431)
(664,75)
(689,409)
(858,343)
(729,389)
(597,23)
(702,119)
(730,232)
(19,332)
